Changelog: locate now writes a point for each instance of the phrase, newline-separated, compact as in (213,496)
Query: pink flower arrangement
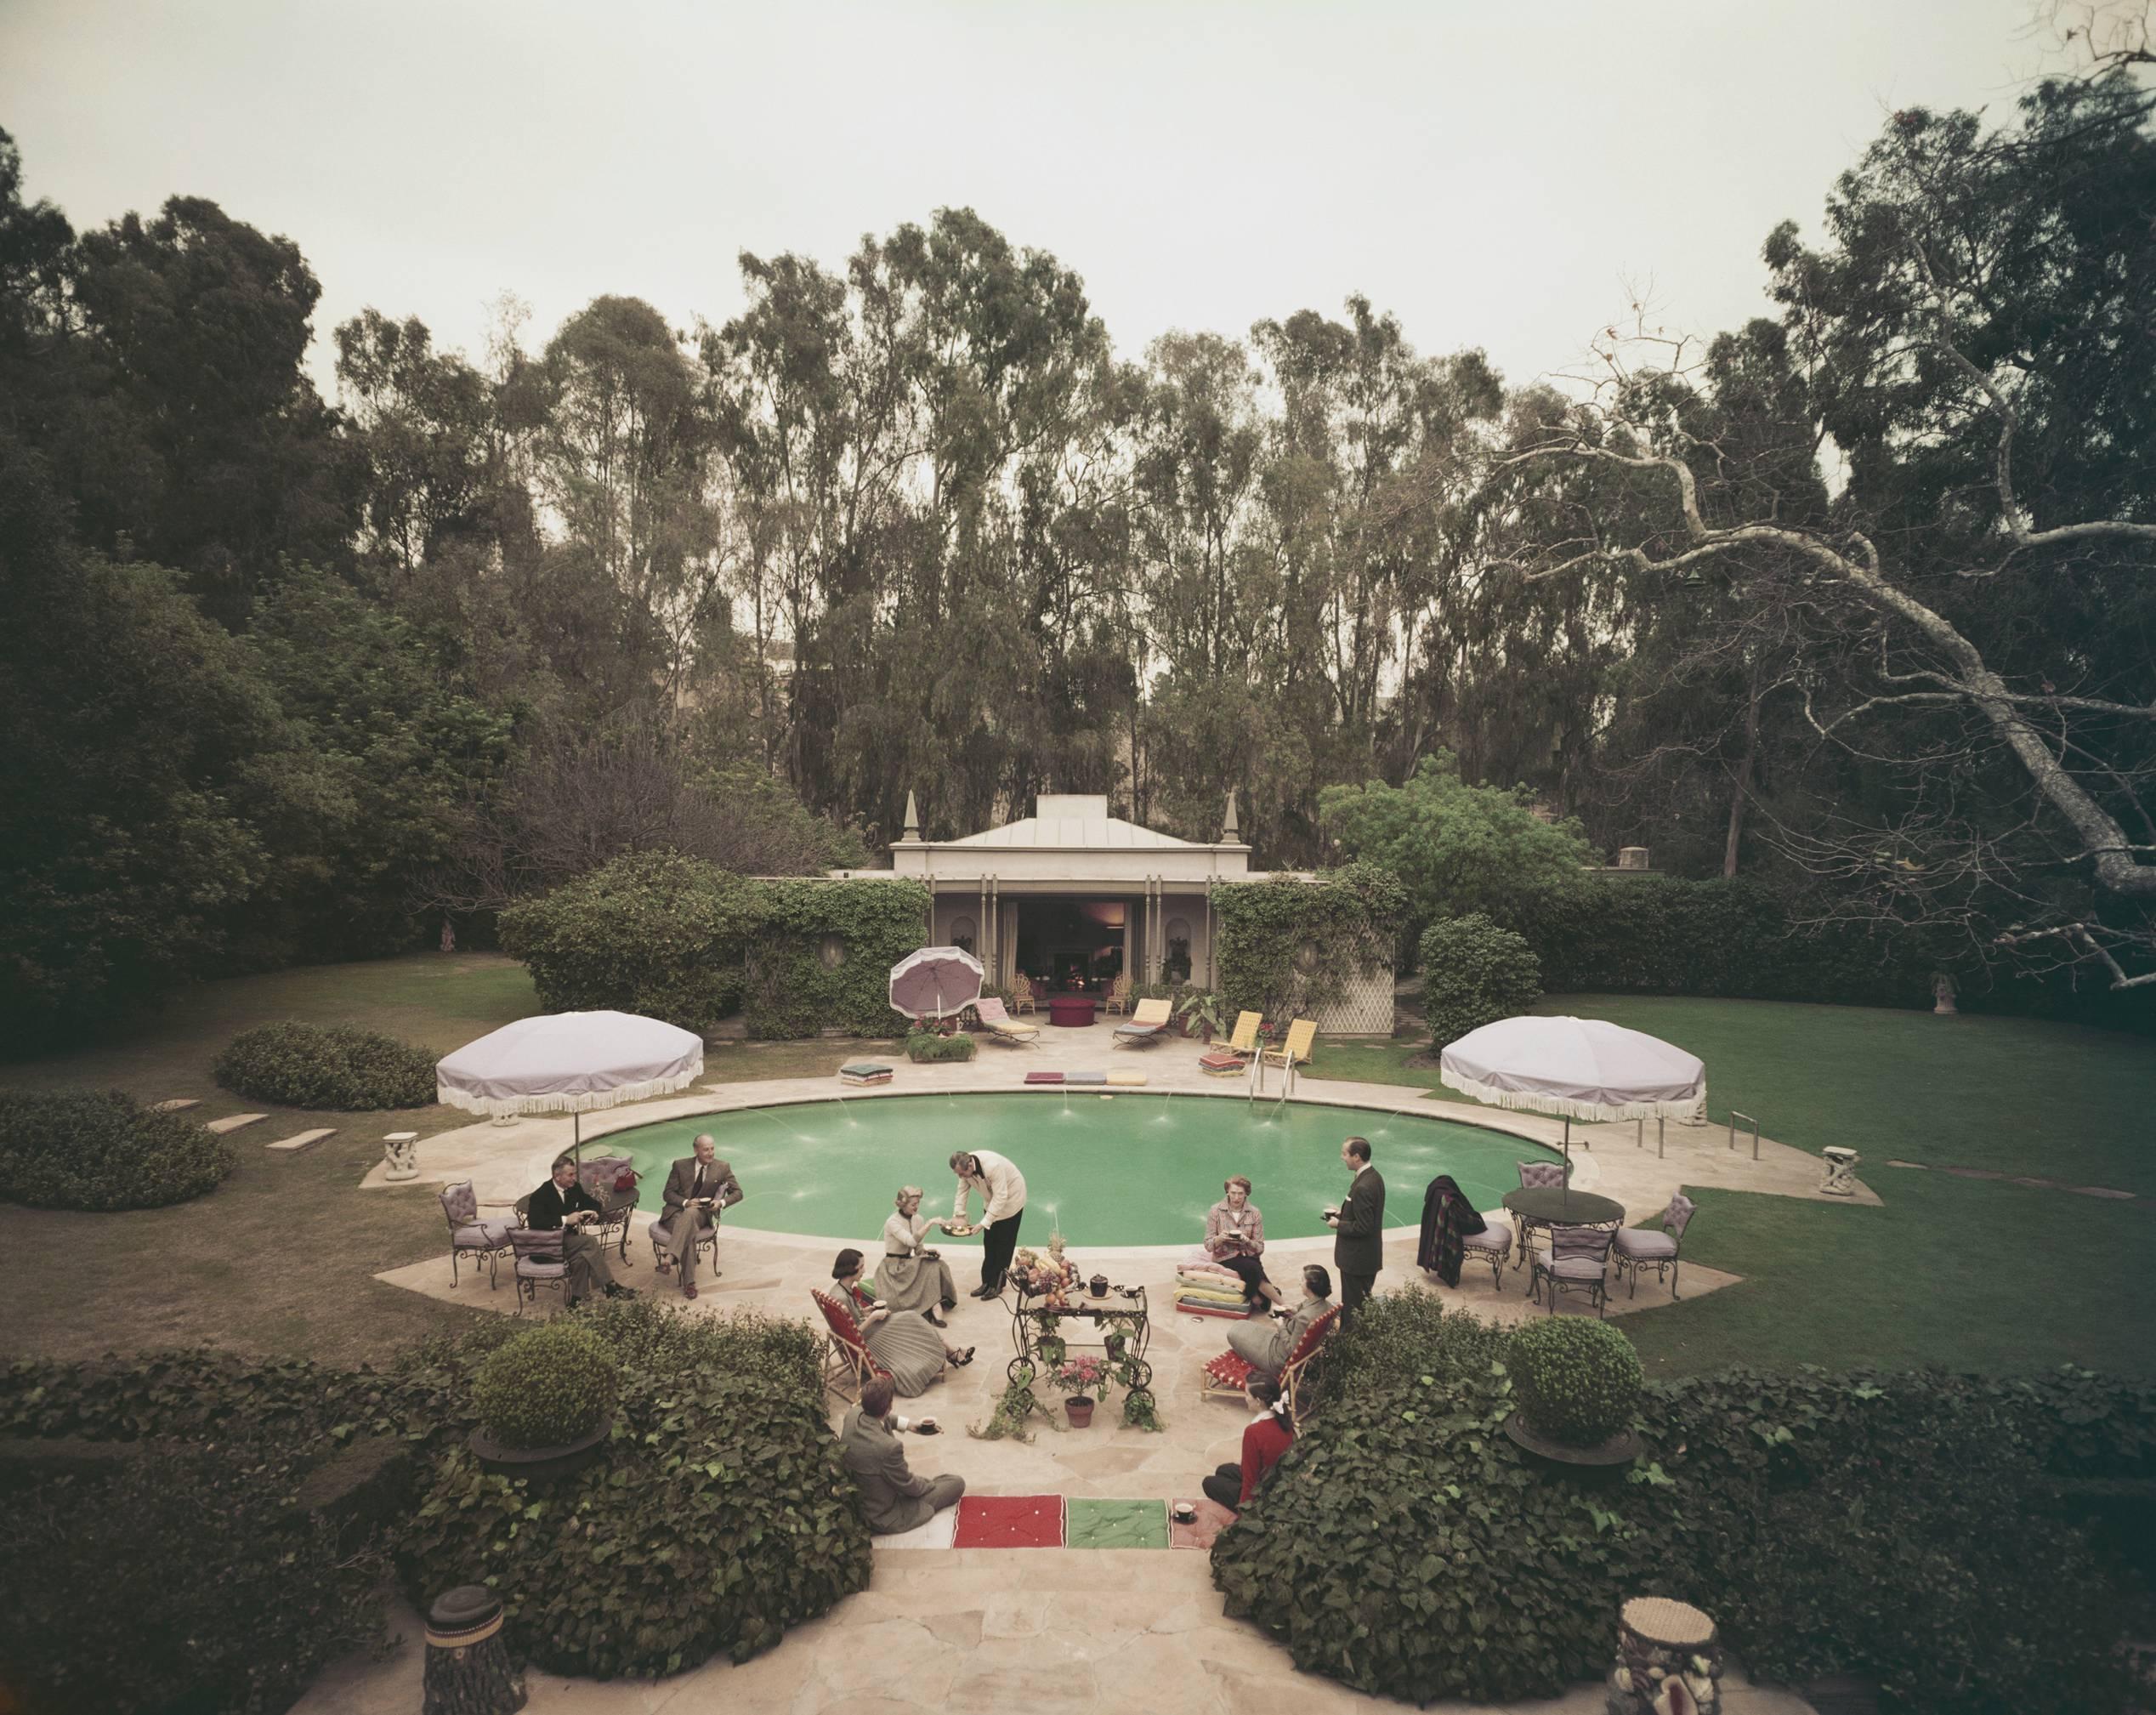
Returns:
(1080,1375)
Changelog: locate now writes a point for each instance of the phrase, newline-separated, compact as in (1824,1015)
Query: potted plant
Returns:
(1202,1014)
(1081,1379)
(1578,1382)
(545,1401)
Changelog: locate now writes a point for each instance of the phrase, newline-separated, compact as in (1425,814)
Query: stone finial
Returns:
(1229,834)
(912,831)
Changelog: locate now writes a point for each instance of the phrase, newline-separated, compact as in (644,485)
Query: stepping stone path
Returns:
(177,1104)
(303,1141)
(232,1122)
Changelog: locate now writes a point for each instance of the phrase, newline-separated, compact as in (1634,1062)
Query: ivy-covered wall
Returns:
(821,956)
(1291,949)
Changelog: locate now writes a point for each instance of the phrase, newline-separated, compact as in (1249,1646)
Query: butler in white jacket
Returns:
(1002,1188)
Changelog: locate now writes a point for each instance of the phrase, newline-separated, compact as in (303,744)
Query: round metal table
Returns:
(1549,1206)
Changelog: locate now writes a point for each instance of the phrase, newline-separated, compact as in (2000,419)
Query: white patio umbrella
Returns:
(935,980)
(1582,1069)
(570,1063)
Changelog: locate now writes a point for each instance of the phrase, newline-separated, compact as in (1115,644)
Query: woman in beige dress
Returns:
(912,1278)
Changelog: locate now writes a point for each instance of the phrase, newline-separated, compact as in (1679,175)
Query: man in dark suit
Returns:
(1358,1251)
(698,1187)
(562,1202)
(892,1498)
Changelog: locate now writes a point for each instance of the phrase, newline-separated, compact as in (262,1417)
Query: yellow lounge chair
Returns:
(1302,1036)
(1146,1025)
(1001,1025)
(1232,1058)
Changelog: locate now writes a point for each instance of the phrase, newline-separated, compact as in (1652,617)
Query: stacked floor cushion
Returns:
(863,1072)
(1203,1288)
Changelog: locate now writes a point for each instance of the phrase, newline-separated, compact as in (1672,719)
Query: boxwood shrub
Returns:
(549,1386)
(1475,973)
(303,1065)
(925,1046)
(103,1149)
(1907,1527)
(1577,1380)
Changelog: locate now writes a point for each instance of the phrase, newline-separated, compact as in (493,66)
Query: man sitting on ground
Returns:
(562,1202)
(1269,1436)
(892,1498)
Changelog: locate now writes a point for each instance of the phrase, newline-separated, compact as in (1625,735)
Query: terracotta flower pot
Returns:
(1080,1410)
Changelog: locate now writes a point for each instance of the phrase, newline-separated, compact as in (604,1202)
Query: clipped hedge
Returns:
(821,955)
(655,932)
(101,1149)
(548,1386)
(1578,1381)
(1474,974)
(1908,1528)
(720,1516)
(1289,948)
(303,1065)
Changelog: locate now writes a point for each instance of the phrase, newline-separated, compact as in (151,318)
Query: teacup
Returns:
(1184,1513)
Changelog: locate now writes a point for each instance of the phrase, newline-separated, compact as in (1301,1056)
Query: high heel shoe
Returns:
(933,1320)
(962,1359)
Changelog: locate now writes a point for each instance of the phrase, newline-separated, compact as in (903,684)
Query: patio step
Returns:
(176,1105)
(303,1141)
(232,1122)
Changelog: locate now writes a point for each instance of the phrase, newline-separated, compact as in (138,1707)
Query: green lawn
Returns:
(1966,1273)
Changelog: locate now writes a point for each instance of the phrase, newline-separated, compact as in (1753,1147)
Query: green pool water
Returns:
(1138,1169)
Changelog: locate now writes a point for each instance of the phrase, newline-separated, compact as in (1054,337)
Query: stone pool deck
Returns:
(1051,1629)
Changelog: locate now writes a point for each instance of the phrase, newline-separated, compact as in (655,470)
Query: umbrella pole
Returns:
(1567,1164)
(577,1149)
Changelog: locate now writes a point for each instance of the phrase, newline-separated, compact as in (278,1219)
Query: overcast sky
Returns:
(1490,173)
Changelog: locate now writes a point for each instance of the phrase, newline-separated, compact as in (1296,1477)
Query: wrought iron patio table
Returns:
(1547,1206)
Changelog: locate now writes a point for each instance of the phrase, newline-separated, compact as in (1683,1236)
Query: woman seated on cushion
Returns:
(1235,1239)
(1267,1349)
(912,1278)
(911,1350)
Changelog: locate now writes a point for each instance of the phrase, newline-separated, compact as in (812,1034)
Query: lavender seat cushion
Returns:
(1491,1238)
(534,1269)
(1636,1242)
(489,1235)
(1574,1268)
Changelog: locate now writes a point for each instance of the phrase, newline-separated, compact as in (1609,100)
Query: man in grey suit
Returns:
(1358,1251)
(698,1187)
(891,1497)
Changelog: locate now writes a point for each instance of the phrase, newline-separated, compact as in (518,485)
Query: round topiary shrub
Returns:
(103,1149)
(1474,974)
(1578,1381)
(303,1065)
(547,1388)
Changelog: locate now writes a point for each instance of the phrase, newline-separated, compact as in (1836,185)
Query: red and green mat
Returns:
(1050,1521)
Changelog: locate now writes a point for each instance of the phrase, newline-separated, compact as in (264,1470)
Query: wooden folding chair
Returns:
(848,1363)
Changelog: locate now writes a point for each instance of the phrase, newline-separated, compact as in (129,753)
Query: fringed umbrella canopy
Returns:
(934,982)
(570,1063)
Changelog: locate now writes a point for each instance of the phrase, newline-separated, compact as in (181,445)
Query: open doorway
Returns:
(1072,946)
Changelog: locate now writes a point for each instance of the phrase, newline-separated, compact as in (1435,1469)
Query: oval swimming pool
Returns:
(1138,1169)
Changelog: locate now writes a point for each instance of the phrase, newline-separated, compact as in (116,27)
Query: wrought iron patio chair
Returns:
(485,1241)
(539,1263)
(1493,1246)
(1576,1260)
(660,1233)
(600,1175)
(1640,1247)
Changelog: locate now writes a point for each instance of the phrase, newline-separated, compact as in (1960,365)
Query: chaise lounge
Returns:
(1147,1024)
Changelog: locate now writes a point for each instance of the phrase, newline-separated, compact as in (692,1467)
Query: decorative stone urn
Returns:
(1842,1171)
(401,1156)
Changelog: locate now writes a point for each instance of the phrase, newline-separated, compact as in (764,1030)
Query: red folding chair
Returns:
(848,1363)
(1226,1376)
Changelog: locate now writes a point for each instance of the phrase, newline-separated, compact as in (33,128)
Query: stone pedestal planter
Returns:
(539,1463)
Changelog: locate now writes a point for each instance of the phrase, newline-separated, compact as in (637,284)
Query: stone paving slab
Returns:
(232,1122)
(176,1105)
(302,1140)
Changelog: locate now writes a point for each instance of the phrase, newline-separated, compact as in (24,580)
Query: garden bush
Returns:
(304,1065)
(1906,1527)
(1578,1382)
(1475,973)
(926,1046)
(548,1386)
(177,1584)
(1398,1337)
(820,957)
(655,933)
(102,1149)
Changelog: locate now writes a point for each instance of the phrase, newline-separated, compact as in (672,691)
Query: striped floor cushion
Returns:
(1201,1307)
(1044,1077)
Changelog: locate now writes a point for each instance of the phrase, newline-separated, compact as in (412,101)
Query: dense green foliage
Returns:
(821,955)
(1457,848)
(1578,1381)
(177,1582)
(305,1065)
(1473,973)
(1866,1524)
(624,1569)
(925,1048)
(103,1149)
(549,1386)
(1396,1338)
(1287,948)
(655,933)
